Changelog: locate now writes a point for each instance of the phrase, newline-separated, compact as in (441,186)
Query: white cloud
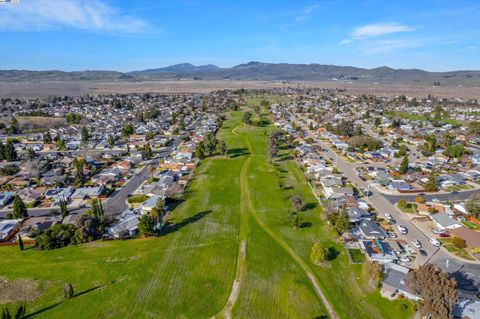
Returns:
(311,8)
(307,12)
(93,15)
(386,46)
(378,29)
(346,41)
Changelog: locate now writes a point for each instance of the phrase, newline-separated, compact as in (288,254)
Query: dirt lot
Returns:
(19,290)
(35,89)
(30,123)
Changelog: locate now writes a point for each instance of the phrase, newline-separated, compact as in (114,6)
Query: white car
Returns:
(388,216)
(435,200)
(402,229)
(405,259)
(416,243)
(435,242)
(437,231)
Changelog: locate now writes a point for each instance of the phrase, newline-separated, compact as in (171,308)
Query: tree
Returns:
(472,205)
(19,208)
(8,152)
(247,117)
(455,151)
(200,150)
(57,236)
(210,143)
(63,208)
(85,136)
(295,220)
(402,203)
(438,291)
(431,184)
(147,152)
(222,148)
(127,130)
(146,224)
(90,228)
(340,221)
(97,208)
(318,254)
(78,164)
(158,211)
(459,242)
(256,109)
(377,121)
(404,165)
(297,202)
(372,271)
(419,200)
(20,242)
(111,141)
(60,145)
(47,137)
(68,291)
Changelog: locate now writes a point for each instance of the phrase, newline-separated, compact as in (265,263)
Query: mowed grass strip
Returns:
(271,187)
(184,274)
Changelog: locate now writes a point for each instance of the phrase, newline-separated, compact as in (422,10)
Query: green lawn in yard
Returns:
(461,252)
(410,208)
(471,225)
(136,199)
(357,255)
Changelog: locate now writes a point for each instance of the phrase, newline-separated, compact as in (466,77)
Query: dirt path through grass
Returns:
(242,250)
(280,242)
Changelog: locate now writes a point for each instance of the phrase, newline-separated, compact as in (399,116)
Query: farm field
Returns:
(233,227)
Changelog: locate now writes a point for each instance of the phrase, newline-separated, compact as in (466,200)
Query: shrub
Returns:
(402,203)
(459,242)
(318,254)
(419,200)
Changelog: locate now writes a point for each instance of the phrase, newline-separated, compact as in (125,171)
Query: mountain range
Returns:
(256,71)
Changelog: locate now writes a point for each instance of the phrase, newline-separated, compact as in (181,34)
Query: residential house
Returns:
(379,251)
(356,214)
(394,282)
(443,221)
(371,230)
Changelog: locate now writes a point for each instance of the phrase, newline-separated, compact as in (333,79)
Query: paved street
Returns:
(382,203)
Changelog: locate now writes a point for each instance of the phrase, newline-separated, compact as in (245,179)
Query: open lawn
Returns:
(461,252)
(231,252)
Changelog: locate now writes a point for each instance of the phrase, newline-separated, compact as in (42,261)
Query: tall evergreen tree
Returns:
(404,165)
(20,242)
(19,208)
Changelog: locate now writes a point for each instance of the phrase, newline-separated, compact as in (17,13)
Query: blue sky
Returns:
(138,34)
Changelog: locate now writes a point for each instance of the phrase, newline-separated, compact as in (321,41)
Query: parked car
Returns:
(417,243)
(402,229)
(437,231)
(423,252)
(391,234)
(435,242)
(444,235)
(435,200)
(405,259)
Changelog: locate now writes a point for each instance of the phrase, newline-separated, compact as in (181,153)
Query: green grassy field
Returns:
(189,272)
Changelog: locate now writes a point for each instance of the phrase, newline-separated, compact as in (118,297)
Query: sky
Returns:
(435,35)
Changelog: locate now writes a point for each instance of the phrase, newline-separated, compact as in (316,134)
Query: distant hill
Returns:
(54,75)
(183,68)
(258,71)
